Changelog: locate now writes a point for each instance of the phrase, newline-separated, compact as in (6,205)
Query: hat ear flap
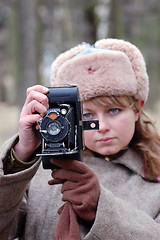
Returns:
(62,58)
(136,59)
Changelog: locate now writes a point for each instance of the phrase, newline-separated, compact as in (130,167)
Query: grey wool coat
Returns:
(128,207)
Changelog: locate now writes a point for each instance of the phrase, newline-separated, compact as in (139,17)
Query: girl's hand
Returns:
(80,187)
(34,108)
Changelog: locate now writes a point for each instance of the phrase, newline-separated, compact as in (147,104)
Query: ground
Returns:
(8,121)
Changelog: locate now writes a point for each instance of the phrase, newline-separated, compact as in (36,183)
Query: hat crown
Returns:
(110,67)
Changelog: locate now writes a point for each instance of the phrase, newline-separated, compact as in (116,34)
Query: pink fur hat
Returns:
(111,67)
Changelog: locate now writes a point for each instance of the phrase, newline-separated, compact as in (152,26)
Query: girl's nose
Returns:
(103,124)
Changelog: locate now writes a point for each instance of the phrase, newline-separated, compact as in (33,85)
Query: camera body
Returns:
(62,127)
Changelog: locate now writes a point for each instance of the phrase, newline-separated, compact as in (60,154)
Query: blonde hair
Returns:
(146,139)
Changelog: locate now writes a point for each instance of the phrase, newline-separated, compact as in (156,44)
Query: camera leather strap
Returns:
(67,227)
(81,190)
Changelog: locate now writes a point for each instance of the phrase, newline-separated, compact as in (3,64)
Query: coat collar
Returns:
(134,162)
(131,160)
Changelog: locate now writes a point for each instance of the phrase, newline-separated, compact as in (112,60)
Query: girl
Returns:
(114,193)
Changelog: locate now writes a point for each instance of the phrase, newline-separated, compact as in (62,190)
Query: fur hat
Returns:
(110,67)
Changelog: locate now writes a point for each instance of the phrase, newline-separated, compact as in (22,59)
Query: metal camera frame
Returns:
(61,98)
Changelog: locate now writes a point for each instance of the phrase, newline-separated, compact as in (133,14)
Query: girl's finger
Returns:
(37,88)
(39,97)
(34,107)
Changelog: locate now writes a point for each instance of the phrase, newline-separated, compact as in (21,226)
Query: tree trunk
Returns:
(27,25)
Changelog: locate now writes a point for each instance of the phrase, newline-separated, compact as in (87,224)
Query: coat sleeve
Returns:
(118,220)
(13,196)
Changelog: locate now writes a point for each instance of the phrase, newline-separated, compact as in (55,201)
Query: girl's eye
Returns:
(87,116)
(114,111)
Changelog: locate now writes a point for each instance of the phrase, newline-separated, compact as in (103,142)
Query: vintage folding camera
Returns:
(62,127)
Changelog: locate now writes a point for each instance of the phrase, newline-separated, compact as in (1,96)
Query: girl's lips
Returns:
(105,140)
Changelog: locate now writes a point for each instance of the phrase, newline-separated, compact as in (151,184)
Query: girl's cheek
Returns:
(87,136)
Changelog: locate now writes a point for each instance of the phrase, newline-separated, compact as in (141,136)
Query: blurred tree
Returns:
(23,35)
(4,14)
(139,22)
(66,23)
(34,32)
(102,12)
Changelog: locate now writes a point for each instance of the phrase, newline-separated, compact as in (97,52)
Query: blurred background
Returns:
(34,32)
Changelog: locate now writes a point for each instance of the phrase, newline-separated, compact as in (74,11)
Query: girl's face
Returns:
(116,126)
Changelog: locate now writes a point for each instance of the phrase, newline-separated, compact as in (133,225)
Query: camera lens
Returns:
(54,128)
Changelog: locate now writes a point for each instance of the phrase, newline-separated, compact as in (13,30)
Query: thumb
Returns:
(55,181)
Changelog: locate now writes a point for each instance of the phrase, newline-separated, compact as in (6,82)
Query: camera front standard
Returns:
(62,127)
